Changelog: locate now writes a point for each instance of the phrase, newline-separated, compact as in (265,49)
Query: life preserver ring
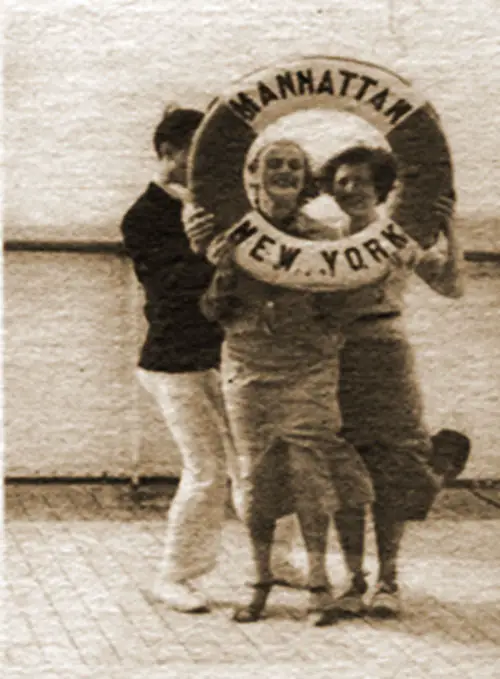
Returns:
(320,265)
(381,97)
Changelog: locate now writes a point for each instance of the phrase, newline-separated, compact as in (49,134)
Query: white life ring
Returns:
(321,265)
(384,99)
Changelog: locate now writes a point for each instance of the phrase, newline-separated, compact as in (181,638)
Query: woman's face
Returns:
(354,189)
(283,171)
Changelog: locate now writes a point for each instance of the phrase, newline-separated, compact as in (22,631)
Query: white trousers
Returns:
(193,407)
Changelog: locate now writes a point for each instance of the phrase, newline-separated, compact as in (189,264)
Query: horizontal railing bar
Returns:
(465,483)
(117,248)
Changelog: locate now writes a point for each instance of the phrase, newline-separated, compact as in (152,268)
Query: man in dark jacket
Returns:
(178,363)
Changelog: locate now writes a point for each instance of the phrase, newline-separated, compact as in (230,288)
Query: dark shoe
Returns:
(253,611)
(321,601)
(450,453)
(386,601)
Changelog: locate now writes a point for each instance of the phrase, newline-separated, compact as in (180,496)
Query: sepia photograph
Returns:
(251,339)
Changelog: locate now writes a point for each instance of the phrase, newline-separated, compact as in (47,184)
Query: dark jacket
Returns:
(179,338)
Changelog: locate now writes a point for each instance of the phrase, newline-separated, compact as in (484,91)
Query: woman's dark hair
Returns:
(310,189)
(177,128)
(382,163)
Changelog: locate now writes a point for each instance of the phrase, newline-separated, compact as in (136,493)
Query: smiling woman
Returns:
(279,368)
(379,394)
(277,172)
(360,178)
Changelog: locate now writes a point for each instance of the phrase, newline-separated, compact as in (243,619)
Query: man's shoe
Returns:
(179,596)
(386,601)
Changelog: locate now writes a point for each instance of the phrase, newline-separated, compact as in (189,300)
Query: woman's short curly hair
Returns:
(310,189)
(382,163)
